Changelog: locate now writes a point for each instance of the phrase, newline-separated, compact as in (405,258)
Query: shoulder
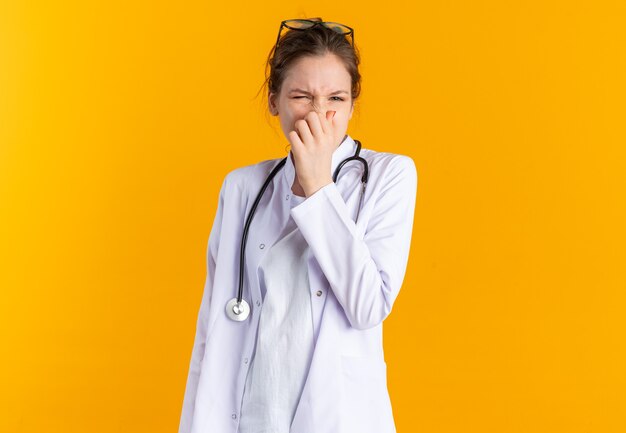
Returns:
(387,165)
(238,180)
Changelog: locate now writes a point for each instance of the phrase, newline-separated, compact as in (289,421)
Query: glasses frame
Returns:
(284,24)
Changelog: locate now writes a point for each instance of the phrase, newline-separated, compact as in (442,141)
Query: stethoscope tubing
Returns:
(246,227)
(236,303)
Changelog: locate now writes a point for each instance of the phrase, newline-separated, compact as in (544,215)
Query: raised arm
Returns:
(364,274)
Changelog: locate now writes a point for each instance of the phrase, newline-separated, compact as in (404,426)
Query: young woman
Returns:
(289,330)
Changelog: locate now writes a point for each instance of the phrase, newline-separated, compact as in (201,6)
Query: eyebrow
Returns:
(336,92)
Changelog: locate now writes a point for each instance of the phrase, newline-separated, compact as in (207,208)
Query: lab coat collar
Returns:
(343,151)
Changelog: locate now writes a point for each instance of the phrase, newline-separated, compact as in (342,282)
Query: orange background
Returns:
(118,122)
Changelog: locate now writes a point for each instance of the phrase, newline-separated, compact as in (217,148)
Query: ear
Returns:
(273,107)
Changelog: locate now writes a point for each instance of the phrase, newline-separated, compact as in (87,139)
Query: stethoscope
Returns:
(237,308)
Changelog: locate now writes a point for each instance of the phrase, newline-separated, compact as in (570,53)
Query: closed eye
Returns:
(338,98)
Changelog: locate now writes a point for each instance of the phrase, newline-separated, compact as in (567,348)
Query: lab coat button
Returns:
(234,416)
(319,293)
(287,197)
(245,360)
(262,246)
(258,303)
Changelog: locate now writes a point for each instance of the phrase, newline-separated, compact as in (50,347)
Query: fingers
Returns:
(314,125)
(294,140)
(319,124)
(303,129)
(326,121)
(330,115)
(314,119)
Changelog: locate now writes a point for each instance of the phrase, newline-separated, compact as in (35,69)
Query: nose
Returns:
(319,108)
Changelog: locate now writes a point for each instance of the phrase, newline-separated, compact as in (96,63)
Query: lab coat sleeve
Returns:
(364,274)
(197,353)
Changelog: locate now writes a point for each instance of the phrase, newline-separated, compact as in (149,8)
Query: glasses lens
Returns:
(339,28)
(299,24)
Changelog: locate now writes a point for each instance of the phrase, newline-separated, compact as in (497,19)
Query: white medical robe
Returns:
(357,269)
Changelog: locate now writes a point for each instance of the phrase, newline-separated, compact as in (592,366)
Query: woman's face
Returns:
(314,84)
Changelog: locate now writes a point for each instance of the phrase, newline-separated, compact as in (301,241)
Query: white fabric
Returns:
(284,344)
(357,266)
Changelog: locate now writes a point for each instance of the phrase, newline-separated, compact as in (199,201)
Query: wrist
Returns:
(313,188)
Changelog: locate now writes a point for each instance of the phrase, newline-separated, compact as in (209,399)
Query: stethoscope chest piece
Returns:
(237,312)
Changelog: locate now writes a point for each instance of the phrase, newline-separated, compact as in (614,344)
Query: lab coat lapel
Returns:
(268,222)
(266,228)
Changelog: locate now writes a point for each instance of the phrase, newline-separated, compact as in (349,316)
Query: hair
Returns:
(318,40)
